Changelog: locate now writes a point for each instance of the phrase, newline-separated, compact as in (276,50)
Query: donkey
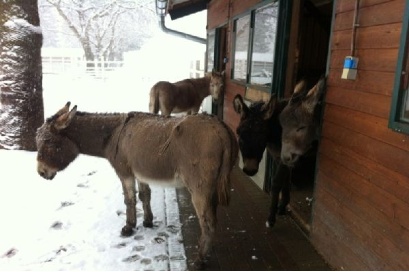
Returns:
(300,121)
(196,151)
(267,125)
(186,95)
(259,128)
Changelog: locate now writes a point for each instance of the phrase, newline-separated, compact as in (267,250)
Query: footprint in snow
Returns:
(56,225)
(91,173)
(163,234)
(10,253)
(138,248)
(138,237)
(120,245)
(161,257)
(65,204)
(82,185)
(159,240)
(172,229)
(132,258)
(146,261)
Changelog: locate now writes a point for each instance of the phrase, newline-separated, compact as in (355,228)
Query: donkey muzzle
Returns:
(250,166)
(46,172)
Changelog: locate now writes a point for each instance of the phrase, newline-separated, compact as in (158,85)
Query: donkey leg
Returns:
(285,176)
(206,212)
(285,197)
(128,186)
(145,197)
(275,193)
(279,180)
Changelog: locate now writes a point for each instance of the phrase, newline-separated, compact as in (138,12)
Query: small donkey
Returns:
(196,151)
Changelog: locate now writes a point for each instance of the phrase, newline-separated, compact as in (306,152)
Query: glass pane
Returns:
(404,86)
(265,30)
(241,43)
(405,107)
(210,50)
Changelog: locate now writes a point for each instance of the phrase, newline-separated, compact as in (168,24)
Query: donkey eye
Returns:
(301,128)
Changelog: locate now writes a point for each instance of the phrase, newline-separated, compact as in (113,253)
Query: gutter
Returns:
(161,6)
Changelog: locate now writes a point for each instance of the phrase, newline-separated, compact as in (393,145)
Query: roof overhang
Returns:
(179,8)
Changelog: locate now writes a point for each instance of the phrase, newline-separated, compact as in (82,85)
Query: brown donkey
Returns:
(300,121)
(196,151)
(186,95)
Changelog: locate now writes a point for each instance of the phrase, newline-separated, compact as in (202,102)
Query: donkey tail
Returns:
(229,160)
(154,100)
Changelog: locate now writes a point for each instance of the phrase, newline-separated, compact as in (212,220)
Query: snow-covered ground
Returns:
(73,222)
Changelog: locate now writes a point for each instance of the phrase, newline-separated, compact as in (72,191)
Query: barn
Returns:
(359,216)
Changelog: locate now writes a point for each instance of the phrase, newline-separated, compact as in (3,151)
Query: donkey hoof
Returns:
(127,231)
(270,223)
(282,211)
(147,224)
(199,264)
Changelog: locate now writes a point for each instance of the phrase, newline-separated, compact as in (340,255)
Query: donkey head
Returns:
(300,121)
(55,150)
(216,84)
(253,131)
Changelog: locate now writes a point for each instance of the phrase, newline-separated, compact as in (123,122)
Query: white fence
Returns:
(68,65)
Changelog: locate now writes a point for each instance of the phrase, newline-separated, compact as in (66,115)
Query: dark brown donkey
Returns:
(260,128)
(186,95)
(196,151)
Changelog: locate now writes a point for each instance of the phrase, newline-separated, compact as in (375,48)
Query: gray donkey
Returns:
(196,151)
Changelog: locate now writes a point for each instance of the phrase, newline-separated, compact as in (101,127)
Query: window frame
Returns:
(399,94)
(247,81)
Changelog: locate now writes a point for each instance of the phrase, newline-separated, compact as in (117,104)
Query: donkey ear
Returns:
(239,106)
(299,92)
(65,119)
(64,109)
(269,107)
(313,96)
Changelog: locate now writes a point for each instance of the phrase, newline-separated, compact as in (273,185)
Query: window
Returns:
(241,48)
(399,116)
(210,50)
(254,45)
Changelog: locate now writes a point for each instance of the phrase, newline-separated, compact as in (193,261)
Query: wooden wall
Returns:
(361,210)
(220,13)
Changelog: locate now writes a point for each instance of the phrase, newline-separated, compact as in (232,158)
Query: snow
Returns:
(21,23)
(73,222)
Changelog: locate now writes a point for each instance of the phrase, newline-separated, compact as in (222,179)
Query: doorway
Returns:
(216,59)
(307,59)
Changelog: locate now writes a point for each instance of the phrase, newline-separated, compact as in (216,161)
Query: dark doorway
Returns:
(309,63)
(216,59)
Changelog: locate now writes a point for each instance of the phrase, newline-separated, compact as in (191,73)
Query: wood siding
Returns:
(360,215)
(361,210)
(221,13)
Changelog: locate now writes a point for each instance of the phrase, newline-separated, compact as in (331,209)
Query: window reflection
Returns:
(265,29)
(210,50)
(242,28)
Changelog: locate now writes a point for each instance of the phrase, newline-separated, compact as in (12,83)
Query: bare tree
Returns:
(21,99)
(104,27)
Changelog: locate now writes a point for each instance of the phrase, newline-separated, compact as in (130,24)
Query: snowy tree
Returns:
(103,28)
(21,100)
